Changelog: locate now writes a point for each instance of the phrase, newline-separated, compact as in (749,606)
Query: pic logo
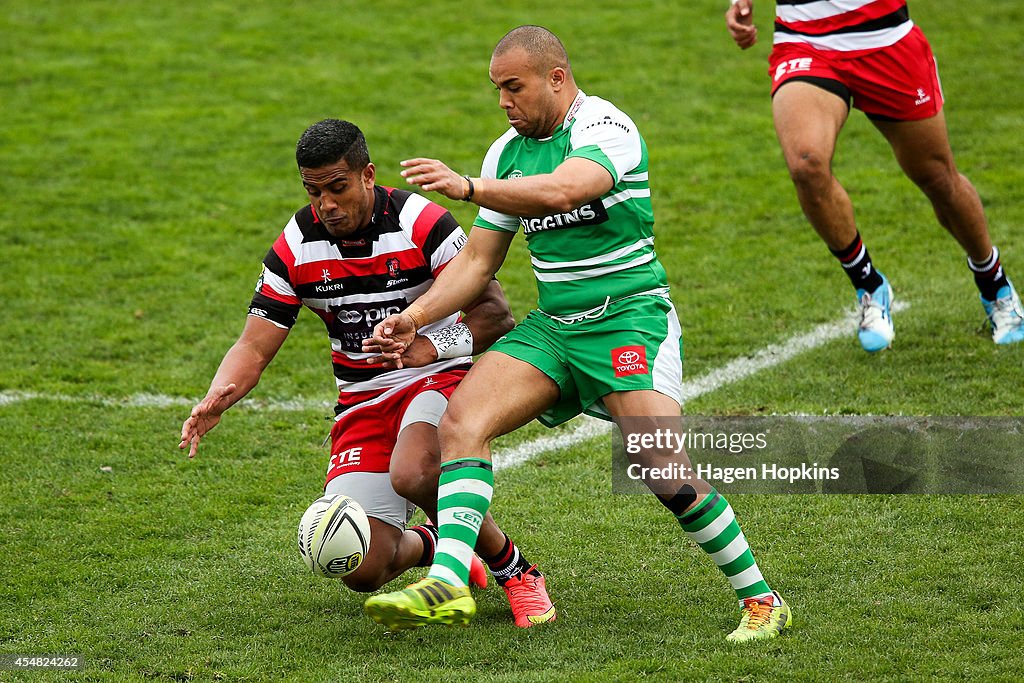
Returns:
(348,317)
(629,360)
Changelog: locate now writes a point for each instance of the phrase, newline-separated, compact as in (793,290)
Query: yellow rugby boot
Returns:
(428,601)
(762,619)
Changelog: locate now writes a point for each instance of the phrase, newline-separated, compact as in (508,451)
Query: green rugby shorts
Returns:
(635,344)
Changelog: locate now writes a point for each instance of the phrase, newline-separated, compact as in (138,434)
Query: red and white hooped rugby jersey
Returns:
(842,25)
(354,283)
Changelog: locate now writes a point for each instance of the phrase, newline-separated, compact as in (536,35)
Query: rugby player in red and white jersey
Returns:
(355,254)
(828,54)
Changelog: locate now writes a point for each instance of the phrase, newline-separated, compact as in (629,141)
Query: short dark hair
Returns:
(329,141)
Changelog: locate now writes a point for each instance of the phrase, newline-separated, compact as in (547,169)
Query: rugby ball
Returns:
(334,536)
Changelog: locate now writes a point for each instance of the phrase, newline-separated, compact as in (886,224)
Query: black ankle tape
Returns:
(710,501)
(682,499)
(465,462)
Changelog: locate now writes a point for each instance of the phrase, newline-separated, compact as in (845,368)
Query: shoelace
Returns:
(1006,308)
(758,612)
(524,589)
(870,311)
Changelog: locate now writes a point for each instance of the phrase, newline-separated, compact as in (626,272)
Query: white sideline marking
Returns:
(772,355)
(586,427)
(161,401)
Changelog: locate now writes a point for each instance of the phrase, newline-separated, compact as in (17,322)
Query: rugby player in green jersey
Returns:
(604,339)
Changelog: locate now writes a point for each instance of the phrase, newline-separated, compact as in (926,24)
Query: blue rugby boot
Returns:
(875,329)
(1005,316)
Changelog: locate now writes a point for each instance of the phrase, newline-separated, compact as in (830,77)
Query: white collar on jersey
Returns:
(574,107)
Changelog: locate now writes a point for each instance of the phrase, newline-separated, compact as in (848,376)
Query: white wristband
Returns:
(455,341)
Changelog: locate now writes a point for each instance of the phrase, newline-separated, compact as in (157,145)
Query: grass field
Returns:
(147,163)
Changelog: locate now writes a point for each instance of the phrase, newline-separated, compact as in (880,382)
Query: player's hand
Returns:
(434,176)
(739,18)
(205,416)
(421,352)
(391,337)
(387,359)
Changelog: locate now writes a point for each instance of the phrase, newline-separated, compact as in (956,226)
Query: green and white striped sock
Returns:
(712,525)
(463,496)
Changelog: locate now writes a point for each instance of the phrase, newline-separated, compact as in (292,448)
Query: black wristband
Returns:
(469,194)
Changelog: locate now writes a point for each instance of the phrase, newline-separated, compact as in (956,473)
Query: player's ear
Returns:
(557,77)
(369,175)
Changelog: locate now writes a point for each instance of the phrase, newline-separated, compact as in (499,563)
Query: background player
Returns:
(572,172)
(828,53)
(355,253)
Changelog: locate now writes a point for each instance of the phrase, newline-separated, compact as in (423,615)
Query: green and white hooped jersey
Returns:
(603,249)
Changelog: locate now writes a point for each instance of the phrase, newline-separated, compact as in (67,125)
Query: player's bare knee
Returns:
(415,477)
(937,181)
(810,171)
(458,430)
(448,428)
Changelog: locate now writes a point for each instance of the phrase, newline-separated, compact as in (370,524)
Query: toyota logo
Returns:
(348,317)
(629,357)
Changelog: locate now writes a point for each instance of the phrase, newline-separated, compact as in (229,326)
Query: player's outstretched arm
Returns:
(206,415)
(434,176)
(573,183)
(238,373)
(739,19)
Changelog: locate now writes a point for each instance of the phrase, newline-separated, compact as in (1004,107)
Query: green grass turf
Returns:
(147,165)
(165,569)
